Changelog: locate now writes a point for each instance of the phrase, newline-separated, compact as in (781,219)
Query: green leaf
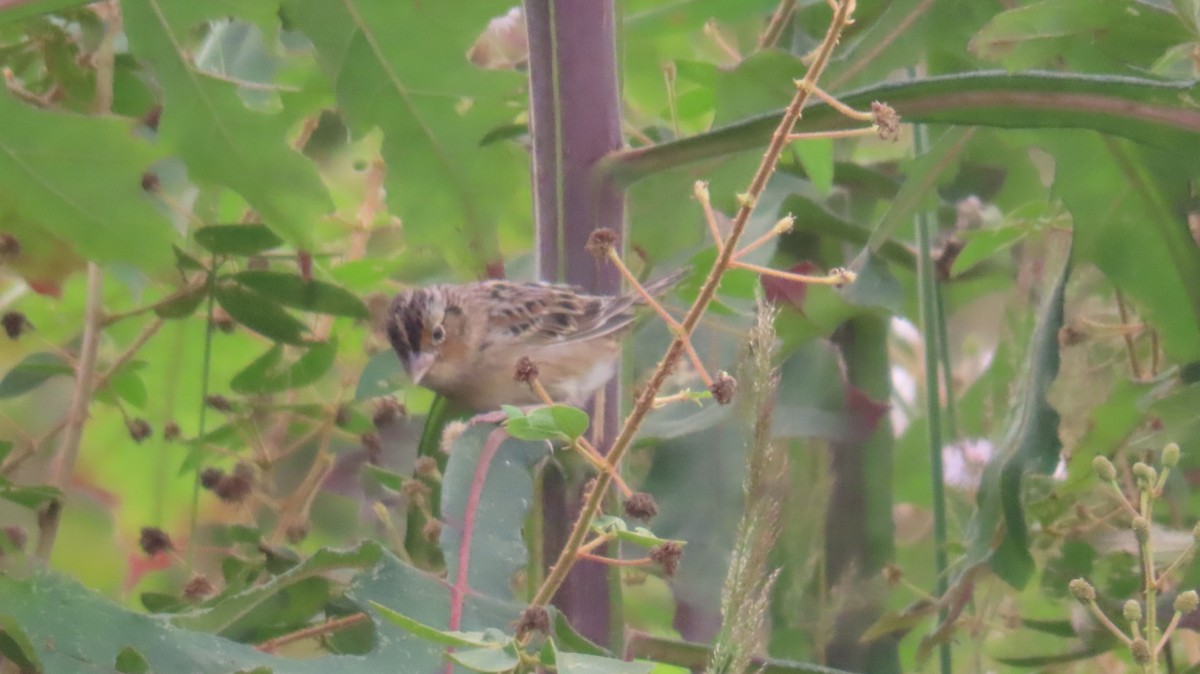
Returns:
(182,305)
(382,375)
(264,376)
(260,314)
(16,646)
(186,262)
(130,661)
(491,660)
(128,385)
(553,422)
(430,634)
(1030,446)
(32,372)
(255,376)
(497,550)
(613,525)
(580,663)
(984,244)
(5,447)
(399,66)
(79,178)
(31,497)
(243,240)
(293,291)
(385,477)
(220,139)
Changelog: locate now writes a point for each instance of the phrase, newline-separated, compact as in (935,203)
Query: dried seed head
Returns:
(641,506)
(432,530)
(451,434)
(427,467)
(154,540)
(387,410)
(892,574)
(373,445)
(526,370)
(139,429)
(600,242)
(10,247)
(887,121)
(150,182)
(724,388)
(171,431)
(1071,335)
(414,491)
(15,324)
(1187,602)
(533,619)
(1140,648)
(197,588)
(211,477)
(1082,590)
(235,487)
(667,555)
(296,532)
(1105,470)
(219,403)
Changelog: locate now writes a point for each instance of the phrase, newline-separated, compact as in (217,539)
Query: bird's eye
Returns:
(438,334)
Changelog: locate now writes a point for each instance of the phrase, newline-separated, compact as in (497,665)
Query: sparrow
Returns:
(464,341)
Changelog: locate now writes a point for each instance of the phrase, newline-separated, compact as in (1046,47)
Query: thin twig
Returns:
(1135,364)
(645,401)
(77,414)
(327,627)
(779,20)
(582,446)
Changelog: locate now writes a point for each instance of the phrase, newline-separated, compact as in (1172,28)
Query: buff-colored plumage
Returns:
(464,341)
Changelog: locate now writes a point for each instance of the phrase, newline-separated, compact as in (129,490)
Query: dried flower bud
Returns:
(1071,335)
(600,242)
(414,491)
(373,445)
(723,388)
(150,182)
(1170,455)
(219,403)
(171,431)
(210,477)
(1141,529)
(15,324)
(887,121)
(154,540)
(892,574)
(641,506)
(533,619)
(1082,590)
(667,555)
(296,532)
(1140,648)
(387,410)
(139,429)
(432,530)
(1105,470)
(10,247)
(235,487)
(427,467)
(197,588)
(1132,611)
(1187,602)
(526,370)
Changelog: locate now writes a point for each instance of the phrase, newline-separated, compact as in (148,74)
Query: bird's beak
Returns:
(418,366)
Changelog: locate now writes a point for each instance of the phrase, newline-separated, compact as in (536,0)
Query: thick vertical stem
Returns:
(575,106)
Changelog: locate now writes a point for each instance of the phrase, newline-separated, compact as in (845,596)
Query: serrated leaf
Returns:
(311,295)
(244,240)
(220,139)
(260,314)
(32,372)
(80,178)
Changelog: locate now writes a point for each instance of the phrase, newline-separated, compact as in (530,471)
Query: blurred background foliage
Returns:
(256,179)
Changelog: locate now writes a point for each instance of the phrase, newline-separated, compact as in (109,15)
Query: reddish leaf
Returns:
(785,292)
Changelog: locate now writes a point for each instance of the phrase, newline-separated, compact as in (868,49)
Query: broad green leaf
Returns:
(128,385)
(244,240)
(486,492)
(260,314)
(16,646)
(382,375)
(130,661)
(254,377)
(553,422)
(217,136)
(1147,111)
(312,295)
(431,634)
(399,66)
(79,179)
(32,372)
(1029,446)
(490,660)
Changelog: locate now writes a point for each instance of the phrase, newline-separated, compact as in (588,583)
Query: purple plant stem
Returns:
(575,105)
